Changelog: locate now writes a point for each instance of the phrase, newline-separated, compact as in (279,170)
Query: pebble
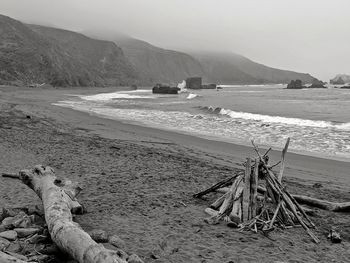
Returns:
(9,235)
(116,241)
(134,259)
(24,232)
(4,243)
(19,256)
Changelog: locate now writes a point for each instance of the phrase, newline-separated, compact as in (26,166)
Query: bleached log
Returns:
(310,201)
(253,190)
(246,190)
(323,204)
(6,258)
(283,158)
(58,198)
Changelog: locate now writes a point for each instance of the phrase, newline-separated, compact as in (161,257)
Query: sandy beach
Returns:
(138,182)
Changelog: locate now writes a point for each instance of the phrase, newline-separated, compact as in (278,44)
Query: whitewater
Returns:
(317,121)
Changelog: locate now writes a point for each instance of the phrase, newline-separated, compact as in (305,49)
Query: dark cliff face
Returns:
(155,64)
(340,79)
(233,68)
(34,54)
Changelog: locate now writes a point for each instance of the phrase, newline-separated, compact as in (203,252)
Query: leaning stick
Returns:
(254,190)
(273,182)
(220,184)
(283,160)
(246,191)
(8,175)
(322,204)
(58,198)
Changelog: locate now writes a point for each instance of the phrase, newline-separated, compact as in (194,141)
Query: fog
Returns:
(307,36)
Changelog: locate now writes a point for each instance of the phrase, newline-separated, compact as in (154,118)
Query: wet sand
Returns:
(138,182)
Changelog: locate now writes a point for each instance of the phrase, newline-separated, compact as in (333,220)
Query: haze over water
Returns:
(317,120)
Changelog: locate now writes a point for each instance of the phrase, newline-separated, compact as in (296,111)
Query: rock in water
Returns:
(317,84)
(9,235)
(295,84)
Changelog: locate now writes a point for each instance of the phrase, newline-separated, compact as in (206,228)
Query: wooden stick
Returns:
(275,184)
(65,233)
(218,202)
(246,191)
(268,150)
(220,184)
(323,204)
(283,160)
(275,214)
(254,190)
(14,176)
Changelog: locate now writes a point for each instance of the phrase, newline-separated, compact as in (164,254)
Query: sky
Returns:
(311,36)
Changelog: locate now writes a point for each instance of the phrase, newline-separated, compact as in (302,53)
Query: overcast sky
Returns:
(303,35)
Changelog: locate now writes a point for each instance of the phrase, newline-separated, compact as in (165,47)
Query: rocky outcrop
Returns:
(295,84)
(194,83)
(165,89)
(317,84)
(32,55)
(340,79)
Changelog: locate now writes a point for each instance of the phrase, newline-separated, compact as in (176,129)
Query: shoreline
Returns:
(211,138)
(40,102)
(138,183)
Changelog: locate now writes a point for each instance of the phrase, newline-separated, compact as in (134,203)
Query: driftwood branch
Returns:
(323,204)
(58,198)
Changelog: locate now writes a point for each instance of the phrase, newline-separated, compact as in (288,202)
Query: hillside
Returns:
(154,64)
(340,79)
(34,54)
(230,68)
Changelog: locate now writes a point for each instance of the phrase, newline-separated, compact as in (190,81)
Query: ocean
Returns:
(316,120)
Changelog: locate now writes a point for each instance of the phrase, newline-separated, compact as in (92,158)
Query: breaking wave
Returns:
(276,119)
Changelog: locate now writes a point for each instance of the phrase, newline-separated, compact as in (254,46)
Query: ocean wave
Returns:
(192,96)
(119,95)
(276,119)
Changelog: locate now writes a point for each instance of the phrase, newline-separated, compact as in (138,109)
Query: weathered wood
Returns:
(218,202)
(6,258)
(220,184)
(280,175)
(253,190)
(246,190)
(310,201)
(58,198)
(274,183)
(237,210)
(323,204)
(8,175)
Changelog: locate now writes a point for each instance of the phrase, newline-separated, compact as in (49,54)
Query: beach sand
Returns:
(138,182)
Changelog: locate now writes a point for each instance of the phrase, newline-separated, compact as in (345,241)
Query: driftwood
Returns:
(58,198)
(322,204)
(220,184)
(6,258)
(306,200)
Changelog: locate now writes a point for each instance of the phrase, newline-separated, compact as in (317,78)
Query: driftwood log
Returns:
(310,201)
(6,258)
(59,199)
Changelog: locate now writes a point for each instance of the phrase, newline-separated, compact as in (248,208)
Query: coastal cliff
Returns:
(34,54)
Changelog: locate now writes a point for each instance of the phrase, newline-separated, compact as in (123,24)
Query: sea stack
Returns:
(295,84)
